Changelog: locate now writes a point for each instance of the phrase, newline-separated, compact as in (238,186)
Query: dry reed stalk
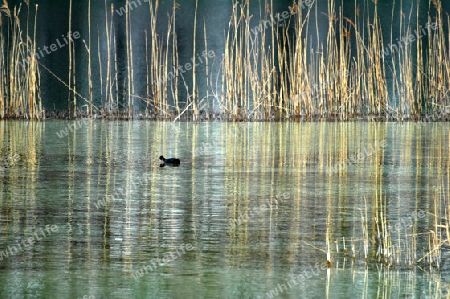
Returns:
(4,10)
(222,77)
(194,67)
(88,50)
(70,46)
(90,96)
(253,71)
(206,69)
(227,90)
(298,69)
(100,69)
(377,67)
(2,73)
(265,71)
(130,68)
(147,72)
(346,107)
(247,69)
(332,64)
(74,83)
(283,54)
(34,110)
(155,72)
(274,75)
(116,72)
(112,44)
(420,83)
(240,72)
(107,101)
(240,44)
(14,56)
(128,81)
(68,87)
(229,54)
(175,56)
(360,66)
(380,69)
(397,86)
(166,70)
(406,67)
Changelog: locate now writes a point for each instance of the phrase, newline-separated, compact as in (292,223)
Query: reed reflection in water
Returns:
(262,206)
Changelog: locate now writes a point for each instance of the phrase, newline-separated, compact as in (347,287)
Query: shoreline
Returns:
(228,117)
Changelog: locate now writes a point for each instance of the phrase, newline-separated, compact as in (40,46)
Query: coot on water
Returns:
(170,161)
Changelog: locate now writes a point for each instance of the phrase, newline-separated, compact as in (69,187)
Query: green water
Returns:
(247,214)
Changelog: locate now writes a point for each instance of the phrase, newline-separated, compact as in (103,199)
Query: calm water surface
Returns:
(247,214)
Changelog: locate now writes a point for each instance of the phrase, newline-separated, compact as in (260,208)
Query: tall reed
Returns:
(194,66)
(19,86)
(175,56)
(271,69)
(333,79)
(71,105)
(130,68)
(89,59)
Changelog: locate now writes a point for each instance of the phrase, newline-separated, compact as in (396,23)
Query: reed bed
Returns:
(276,74)
(19,83)
(334,80)
(270,70)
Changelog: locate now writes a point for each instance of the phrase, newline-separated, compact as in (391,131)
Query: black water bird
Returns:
(170,161)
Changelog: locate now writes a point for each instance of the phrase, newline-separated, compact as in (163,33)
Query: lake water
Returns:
(253,210)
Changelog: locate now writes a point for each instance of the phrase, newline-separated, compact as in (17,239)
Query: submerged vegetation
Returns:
(275,70)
